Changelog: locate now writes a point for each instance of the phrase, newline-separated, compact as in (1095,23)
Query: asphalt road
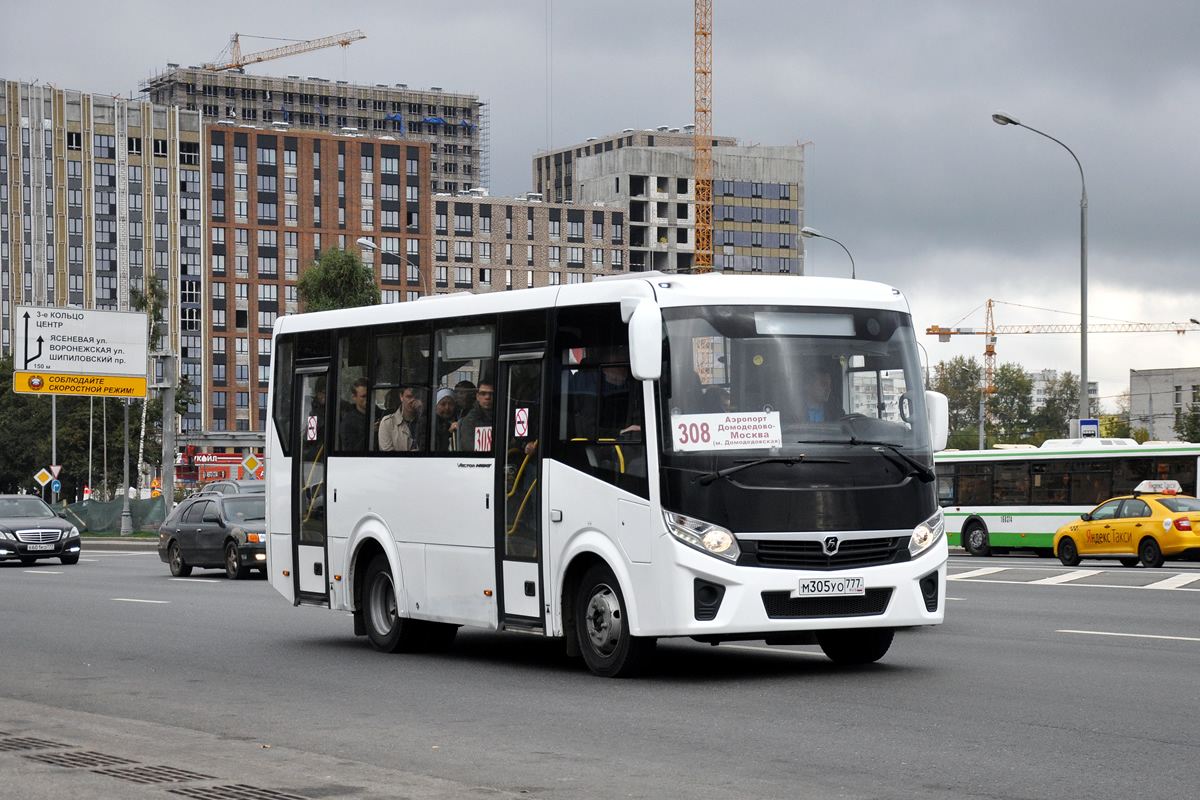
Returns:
(119,681)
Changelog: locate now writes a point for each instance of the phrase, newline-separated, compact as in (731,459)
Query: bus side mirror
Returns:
(645,338)
(938,408)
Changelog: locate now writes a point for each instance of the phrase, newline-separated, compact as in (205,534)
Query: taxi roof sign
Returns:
(1158,487)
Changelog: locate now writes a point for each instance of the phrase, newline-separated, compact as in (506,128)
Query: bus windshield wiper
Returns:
(892,453)
(709,477)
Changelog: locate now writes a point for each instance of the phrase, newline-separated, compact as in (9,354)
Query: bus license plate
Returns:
(832,587)
(39,547)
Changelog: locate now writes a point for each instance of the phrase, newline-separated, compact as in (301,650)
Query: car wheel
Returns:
(1131,561)
(609,649)
(234,568)
(69,559)
(855,646)
(975,540)
(179,567)
(387,631)
(1068,553)
(1150,553)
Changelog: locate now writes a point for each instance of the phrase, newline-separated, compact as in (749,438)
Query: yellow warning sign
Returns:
(87,385)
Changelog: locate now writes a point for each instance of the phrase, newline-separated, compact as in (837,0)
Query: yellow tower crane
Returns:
(991,330)
(236,59)
(702,144)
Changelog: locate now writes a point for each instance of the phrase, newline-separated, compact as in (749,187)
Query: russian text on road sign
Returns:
(73,351)
(43,478)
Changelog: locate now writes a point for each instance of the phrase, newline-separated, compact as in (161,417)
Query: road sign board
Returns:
(1089,428)
(55,469)
(43,477)
(56,485)
(80,352)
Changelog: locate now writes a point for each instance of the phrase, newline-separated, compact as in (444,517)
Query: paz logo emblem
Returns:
(831,545)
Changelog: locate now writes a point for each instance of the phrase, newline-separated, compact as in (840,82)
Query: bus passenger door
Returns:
(519,506)
(309,559)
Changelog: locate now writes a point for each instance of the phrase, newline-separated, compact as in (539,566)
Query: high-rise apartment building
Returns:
(454,124)
(100,196)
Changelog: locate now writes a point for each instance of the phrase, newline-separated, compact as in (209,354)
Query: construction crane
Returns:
(702,144)
(991,330)
(236,59)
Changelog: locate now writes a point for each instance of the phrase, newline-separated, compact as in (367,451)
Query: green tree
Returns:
(960,379)
(1053,419)
(1187,424)
(1010,408)
(337,279)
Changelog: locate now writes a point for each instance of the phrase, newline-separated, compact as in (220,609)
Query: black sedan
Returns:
(216,532)
(30,530)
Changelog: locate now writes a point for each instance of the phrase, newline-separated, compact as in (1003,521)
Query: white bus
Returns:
(638,459)
(997,501)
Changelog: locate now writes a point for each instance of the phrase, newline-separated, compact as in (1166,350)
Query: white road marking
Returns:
(1133,635)
(955,598)
(1067,577)
(136,600)
(44,572)
(976,573)
(1174,582)
(196,580)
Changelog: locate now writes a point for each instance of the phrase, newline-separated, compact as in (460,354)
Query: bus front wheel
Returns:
(975,540)
(387,631)
(609,649)
(856,646)
(1150,553)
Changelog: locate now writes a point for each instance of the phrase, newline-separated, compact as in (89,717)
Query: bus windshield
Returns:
(795,398)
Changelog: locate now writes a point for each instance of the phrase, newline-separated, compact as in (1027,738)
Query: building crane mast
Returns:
(702,144)
(236,58)
(991,330)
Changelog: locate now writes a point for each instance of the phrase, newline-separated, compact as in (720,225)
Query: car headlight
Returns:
(927,534)
(74,531)
(704,536)
(6,534)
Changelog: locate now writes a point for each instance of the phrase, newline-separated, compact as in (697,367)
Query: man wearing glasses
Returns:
(475,429)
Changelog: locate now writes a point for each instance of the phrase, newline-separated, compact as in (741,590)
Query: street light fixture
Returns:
(363,241)
(812,233)
(1002,118)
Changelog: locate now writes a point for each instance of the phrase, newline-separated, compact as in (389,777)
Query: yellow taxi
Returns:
(1153,524)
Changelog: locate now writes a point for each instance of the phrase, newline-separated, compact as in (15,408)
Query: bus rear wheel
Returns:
(975,540)
(856,646)
(609,649)
(1068,553)
(1150,553)
(387,631)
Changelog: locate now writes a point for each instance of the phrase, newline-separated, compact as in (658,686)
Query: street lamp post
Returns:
(363,241)
(812,233)
(1002,118)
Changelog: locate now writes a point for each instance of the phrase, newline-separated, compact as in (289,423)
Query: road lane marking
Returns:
(976,573)
(136,600)
(1173,582)
(44,572)
(1134,635)
(1074,575)
(196,580)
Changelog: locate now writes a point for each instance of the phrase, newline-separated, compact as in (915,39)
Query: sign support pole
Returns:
(53,439)
(126,517)
(168,429)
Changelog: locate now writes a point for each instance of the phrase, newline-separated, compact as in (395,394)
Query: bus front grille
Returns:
(781,605)
(851,554)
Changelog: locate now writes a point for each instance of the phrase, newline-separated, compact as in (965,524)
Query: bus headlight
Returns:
(927,534)
(704,536)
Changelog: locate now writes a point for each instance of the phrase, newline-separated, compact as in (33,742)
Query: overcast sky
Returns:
(906,167)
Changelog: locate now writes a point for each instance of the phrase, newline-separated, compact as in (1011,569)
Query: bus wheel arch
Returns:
(975,537)
(387,630)
(603,629)
(1150,553)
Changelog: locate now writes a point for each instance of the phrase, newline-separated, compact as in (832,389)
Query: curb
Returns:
(126,544)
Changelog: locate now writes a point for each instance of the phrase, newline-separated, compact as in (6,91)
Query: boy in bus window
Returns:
(475,429)
(355,424)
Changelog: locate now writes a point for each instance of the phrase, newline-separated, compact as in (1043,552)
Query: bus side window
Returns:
(352,399)
(464,355)
(284,371)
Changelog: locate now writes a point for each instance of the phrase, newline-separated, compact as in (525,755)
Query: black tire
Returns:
(1068,553)
(608,648)
(1130,561)
(69,559)
(387,631)
(1150,553)
(975,540)
(235,568)
(179,567)
(856,646)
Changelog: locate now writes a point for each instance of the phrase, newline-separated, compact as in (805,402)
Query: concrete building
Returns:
(553,171)
(279,198)
(1040,390)
(456,125)
(758,205)
(1158,397)
(99,196)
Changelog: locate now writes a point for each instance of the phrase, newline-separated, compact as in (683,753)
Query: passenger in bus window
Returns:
(464,397)
(354,427)
(445,423)
(475,429)
(818,385)
(403,430)
(611,407)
